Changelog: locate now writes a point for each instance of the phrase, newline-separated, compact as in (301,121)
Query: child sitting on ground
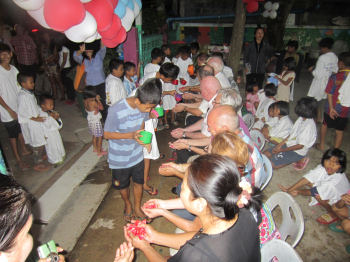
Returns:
(252,99)
(286,80)
(281,128)
(295,147)
(93,106)
(183,62)
(262,112)
(52,124)
(115,89)
(326,183)
(131,76)
(31,121)
(157,58)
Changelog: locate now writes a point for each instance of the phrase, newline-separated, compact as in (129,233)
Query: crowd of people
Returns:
(219,163)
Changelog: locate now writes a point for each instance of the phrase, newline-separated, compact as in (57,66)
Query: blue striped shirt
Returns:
(130,86)
(122,118)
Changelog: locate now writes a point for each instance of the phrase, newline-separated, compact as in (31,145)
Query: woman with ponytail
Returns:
(212,191)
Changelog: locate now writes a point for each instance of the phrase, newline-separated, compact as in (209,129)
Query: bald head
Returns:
(221,119)
(204,71)
(216,63)
(209,87)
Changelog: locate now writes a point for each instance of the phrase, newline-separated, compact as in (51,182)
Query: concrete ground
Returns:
(104,233)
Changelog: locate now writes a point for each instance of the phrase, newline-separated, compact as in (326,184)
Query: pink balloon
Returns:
(60,15)
(120,38)
(113,30)
(252,7)
(102,10)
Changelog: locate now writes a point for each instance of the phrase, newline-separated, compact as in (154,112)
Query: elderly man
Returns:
(218,65)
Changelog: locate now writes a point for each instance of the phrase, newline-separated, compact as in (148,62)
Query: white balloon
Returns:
(136,9)
(91,38)
(82,31)
(266,13)
(29,4)
(275,6)
(268,5)
(38,15)
(128,19)
(273,14)
(85,1)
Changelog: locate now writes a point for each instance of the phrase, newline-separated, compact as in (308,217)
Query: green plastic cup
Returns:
(146,137)
(160,111)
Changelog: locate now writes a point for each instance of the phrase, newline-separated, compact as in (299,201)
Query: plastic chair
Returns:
(249,120)
(279,249)
(268,170)
(258,138)
(289,228)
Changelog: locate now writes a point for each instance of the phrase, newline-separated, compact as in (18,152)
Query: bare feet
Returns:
(319,147)
(285,189)
(41,168)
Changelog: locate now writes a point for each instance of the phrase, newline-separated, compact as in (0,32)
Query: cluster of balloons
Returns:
(252,5)
(271,10)
(85,20)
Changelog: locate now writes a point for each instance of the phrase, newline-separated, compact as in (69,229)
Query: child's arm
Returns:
(38,119)
(284,82)
(291,148)
(279,146)
(12,113)
(77,55)
(172,93)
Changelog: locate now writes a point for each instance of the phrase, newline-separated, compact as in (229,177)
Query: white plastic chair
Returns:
(249,120)
(280,249)
(258,138)
(268,170)
(290,228)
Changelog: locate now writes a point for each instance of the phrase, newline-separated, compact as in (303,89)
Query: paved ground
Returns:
(104,234)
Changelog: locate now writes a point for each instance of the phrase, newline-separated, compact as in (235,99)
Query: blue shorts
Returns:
(284,158)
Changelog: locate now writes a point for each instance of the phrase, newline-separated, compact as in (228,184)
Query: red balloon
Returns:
(61,15)
(114,3)
(113,30)
(102,10)
(252,7)
(120,38)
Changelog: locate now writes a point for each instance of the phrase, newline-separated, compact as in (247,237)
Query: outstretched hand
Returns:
(125,253)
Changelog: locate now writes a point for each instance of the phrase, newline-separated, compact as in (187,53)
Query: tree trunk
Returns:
(237,37)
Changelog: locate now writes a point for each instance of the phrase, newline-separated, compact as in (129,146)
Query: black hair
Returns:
(155,53)
(290,63)
(43,98)
(164,47)
(283,106)
(340,154)
(169,70)
(257,28)
(270,90)
(326,43)
(115,64)
(194,45)
(89,92)
(216,179)
(150,92)
(293,43)
(345,58)
(15,210)
(306,107)
(128,66)
(185,50)
(5,48)
(249,86)
(23,77)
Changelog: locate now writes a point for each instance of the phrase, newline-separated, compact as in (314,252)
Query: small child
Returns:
(295,147)
(166,53)
(53,123)
(252,99)
(30,120)
(115,89)
(194,46)
(286,80)
(262,112)
(183,62)
(157,58)
(130,77)
(176,57)
(281,128)
(93,106)
(326,183)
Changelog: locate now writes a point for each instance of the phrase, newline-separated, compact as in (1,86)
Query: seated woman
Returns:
(212,191)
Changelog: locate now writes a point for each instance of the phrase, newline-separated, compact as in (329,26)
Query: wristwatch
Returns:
(189,148)
(184,134)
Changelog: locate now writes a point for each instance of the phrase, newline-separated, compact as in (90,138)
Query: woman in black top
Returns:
(211,190)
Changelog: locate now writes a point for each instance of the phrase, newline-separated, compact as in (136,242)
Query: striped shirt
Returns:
(122,118)
(130,85)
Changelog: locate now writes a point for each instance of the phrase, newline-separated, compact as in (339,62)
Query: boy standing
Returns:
(124,122)
(115,89)
(157,57)
(9,90)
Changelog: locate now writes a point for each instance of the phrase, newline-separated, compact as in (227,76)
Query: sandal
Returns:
(151,191)
(326,219)
(128,217)
(300,167)
(148,219)
(334,227)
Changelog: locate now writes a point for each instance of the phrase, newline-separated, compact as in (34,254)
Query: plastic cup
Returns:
(160,111)
(146,137)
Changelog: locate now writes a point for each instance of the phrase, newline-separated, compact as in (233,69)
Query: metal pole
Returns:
(138,22)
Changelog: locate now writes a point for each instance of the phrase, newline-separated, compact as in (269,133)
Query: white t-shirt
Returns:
(150,68)
(166,60)
(228,72)
(204,129)
(282,127)
(9,89)
(223,80)
(304,132)
(204,106)
(115,90)
(60,54)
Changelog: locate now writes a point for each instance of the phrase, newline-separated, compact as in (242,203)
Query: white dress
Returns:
(183,65)
(54,146)
(169,101)
(325,66)
(263,112)
(150,68)
(32,131)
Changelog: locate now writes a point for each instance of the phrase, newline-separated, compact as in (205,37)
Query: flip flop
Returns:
(326,219)
(148,219)
(300,167)
(128,217)
(334,228)
(151,191)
